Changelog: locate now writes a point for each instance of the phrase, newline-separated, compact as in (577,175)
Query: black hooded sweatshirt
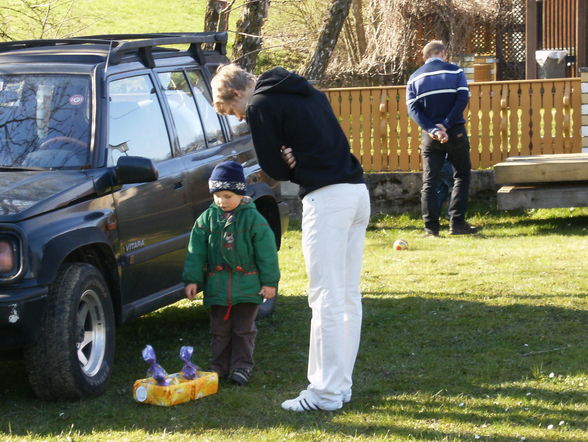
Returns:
(286,110)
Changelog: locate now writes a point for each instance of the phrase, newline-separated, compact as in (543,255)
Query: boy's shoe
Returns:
(240,376)
(462,229)
(307,402)
(431,233)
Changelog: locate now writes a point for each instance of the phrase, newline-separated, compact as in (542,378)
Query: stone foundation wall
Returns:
(398,192)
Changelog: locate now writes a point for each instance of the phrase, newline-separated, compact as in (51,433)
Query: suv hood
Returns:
(24,194)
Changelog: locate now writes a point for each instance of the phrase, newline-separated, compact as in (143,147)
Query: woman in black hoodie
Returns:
(298,138)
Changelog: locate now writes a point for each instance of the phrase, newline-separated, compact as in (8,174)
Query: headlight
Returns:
(9,256)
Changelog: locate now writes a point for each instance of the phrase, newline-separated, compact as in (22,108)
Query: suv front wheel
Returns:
(74,354)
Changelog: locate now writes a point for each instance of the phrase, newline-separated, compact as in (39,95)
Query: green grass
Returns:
(93,17)
(463,338)
(136,16)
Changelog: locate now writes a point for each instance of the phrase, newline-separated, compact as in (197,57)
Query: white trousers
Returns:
(334,221)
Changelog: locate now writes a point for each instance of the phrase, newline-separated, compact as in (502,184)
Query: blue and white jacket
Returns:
(437,93)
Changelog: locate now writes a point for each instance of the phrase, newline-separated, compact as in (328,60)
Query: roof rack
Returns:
(141,44)
(6,46)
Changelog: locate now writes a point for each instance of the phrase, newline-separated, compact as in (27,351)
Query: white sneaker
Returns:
(307,402)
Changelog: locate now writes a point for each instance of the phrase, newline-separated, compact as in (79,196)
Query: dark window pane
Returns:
(212,125)
(136,126)
(44,121)
(183,109)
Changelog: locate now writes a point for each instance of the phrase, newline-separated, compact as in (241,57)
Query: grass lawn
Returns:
(482,337)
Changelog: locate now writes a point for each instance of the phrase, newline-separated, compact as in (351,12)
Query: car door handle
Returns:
(178,185)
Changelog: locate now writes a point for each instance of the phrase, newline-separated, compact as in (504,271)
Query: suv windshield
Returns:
(44,121)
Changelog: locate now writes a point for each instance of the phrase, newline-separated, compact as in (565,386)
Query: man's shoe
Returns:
(463,229)
(430,233)
(306,401)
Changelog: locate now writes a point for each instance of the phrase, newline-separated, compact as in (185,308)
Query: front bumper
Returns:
(21,311)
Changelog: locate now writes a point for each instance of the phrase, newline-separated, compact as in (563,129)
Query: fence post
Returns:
(584,78)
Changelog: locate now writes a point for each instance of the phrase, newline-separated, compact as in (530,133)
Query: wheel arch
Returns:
(266,204)
(89,246)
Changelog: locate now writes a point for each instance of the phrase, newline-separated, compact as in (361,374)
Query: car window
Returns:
(212,125)
(183,108)
(45,121)
(238,128)
(135,122)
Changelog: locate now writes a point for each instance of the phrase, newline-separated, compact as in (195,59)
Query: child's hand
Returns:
(267,292)
(190,291)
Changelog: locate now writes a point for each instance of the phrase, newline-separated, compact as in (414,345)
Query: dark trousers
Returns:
(232,340)
(457,152)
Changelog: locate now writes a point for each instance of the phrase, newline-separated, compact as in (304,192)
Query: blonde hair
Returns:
(228,79)
(433,48)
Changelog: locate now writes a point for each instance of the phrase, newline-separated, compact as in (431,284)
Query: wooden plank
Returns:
(548,145)
(495,155)
(485,129)
(394,98)
(542,197)
(542,171)
(335,102)
(525,118)
(567,111)
(559,117)
(536,118)
(415,143)
(366,131)
(504,115)
(385,120)
(346,112)
(514,101)
(355,125)
(403,145)
(474,132)
(551,158)
(376,121)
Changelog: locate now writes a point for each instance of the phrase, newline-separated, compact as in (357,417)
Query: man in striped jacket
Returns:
(436,95)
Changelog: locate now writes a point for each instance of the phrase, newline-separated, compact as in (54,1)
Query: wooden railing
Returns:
(504,118)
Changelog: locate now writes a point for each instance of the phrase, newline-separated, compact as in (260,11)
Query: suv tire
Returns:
(74,354)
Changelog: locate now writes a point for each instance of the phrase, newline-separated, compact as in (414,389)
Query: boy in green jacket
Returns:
(232,256)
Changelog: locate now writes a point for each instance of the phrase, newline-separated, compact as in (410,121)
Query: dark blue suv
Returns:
(106,145)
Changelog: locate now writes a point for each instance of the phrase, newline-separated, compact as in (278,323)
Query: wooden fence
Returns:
(504,118)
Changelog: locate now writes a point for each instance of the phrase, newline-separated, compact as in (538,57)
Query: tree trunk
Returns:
(213,15)
(359,26)
(318,62)
(248,40)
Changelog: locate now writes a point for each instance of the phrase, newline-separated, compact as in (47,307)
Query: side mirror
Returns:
(131,170)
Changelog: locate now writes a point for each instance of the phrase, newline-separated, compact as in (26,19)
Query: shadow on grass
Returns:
(422,362)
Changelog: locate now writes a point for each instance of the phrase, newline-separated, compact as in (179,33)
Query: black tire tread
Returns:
(52,366)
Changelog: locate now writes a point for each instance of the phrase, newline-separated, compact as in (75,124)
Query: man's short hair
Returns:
(433,48)
(228,78)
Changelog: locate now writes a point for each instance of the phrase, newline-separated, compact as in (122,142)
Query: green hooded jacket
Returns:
(231,258)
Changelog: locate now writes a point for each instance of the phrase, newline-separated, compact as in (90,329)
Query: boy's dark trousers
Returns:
(457,151)
(233,340)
